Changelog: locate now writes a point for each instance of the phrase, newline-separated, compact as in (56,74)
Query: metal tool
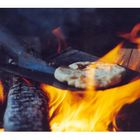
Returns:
(42,77)
(31,67)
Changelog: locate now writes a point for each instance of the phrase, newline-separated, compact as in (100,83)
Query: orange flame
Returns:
(114,55)
(133,36)
(1,93)
(91,110)
(1,129)
(73,111)
(60,38)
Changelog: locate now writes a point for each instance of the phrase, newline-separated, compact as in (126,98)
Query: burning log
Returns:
(27,108)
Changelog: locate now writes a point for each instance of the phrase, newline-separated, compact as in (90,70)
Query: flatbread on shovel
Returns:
(104,74)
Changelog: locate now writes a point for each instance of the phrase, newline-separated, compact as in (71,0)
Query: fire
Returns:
(91,110)
(134,35)
(57,32)
(1,93)
(1,99)
(114,55)
(1,129)
(73,111)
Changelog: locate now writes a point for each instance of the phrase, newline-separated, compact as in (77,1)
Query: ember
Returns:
(1,93)
(1,129)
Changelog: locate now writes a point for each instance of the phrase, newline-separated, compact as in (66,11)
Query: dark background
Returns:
(92,30)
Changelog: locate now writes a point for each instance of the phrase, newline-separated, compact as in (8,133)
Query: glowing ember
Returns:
(134,35)
(1,93)
(91,110)
(60,38)
(1,129)
(71,111)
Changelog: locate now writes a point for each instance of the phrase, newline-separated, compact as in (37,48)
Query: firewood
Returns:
(134,63)
(27,108)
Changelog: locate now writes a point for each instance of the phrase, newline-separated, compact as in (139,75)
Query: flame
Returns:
(114,55)
(1,93)
(133,36)
(92,110)
(60,38)
(1,99)
(73,111)
(1,129)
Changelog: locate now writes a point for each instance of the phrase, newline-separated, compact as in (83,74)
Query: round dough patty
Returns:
(104,74)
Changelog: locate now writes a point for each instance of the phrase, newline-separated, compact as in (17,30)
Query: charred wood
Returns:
(27,108)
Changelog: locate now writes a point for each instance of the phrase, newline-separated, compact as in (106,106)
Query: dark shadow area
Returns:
(92,30)
(128,119)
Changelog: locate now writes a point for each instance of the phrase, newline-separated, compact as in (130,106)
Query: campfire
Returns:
(33,100)
(93,110)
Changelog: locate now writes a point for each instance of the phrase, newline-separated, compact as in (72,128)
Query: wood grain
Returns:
(27,108)
(130,58)
(124,55)
(134,62)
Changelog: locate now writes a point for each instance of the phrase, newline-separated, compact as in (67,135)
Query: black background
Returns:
(92,30)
